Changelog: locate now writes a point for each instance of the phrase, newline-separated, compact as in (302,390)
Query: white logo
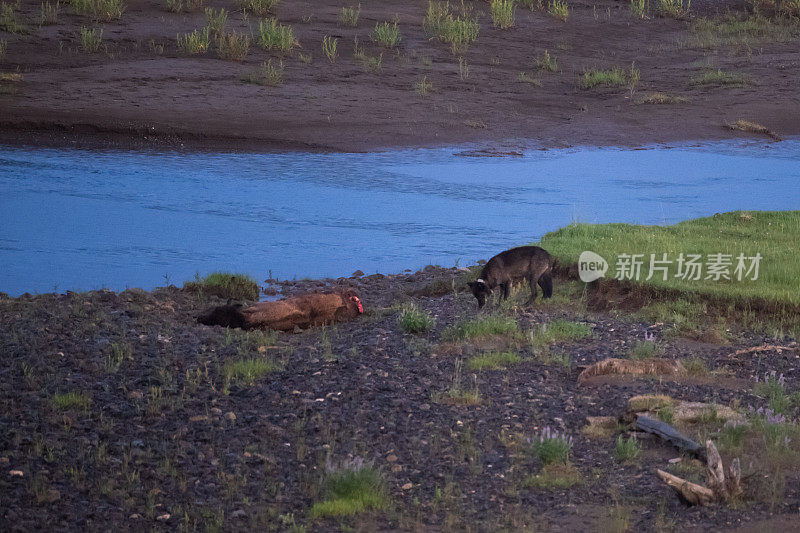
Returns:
(591,266)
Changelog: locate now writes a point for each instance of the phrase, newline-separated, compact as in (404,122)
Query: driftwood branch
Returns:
(721,488)
(693,493)
(669,434)
(764,348)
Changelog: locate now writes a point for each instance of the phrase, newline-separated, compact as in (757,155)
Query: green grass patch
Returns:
(673,8)
(502,13)
(615,77)
(626,449)
(695,366)
(424,86)
(558,331)
(386,34)
(718,78)
(493,361)
(71,400)
(415,320)
(772,387)
(274,36)
(644,350)
(8,19)
(48,13)
(457,30)
(741,30)
(481,327)
(349,16)
(233,46)
(524,77)
(225,285)
(772,234)
(554,476)
(246,371)
(350,492)
(330,46)
(551,447)
(661,99)
(546,62)
(216,20)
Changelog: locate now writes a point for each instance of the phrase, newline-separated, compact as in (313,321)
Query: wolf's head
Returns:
(229,316)
(480,290)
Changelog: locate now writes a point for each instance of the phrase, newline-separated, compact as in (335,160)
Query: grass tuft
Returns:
(348,16)
(247,370)
(216,19)
(351,491)
(274,36)
(423,86)
(103,10)
(70,400)
(260,8)
(558,476)
(673,8)
(558,331)
(524,77)
(48,13)
(329,48)
(547,62)
(661,99)
(551,446)
(91,40)
(233,46)
(502,13)
(268,74)
(386,34)
(8,19)
(616,77)
(194,43)
(415,320)
(626,449)
(457,30)
(718,78)
(558,9)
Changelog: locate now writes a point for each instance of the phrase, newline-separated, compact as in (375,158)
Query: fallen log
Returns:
(723,484)
(764,348)
(692,493)
(669,434)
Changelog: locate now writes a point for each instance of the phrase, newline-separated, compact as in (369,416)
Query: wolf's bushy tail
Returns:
(546,283)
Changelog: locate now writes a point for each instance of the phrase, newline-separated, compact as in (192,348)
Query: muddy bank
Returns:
(139,90)
(161,438)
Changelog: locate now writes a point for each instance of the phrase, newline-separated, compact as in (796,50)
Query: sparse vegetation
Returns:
(48,13)
(194,43)
(216,19)
(558,476)
(459,31)
(638,8)
(423,86)
(247,371)
(259,8)
(274,36)
(644,350)
(386,34)
(268,74)
(502,13)
(551,446)
(662,99)
(175,6)
(616,77)
(233,46)
(558,331)
(673,8)
(102,10)
(8,19)
(524,77)
(546,62)
(71,400)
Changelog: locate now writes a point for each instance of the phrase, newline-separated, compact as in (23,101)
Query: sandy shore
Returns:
(140,90)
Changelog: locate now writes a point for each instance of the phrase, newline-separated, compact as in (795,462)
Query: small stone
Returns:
(392,458)
(397,468)
(407,486)
(53,496)
(238,513)
(4,460)
(135,395)
(425,407)
(675,460)
(198,418)
(262,349)
(164,517)
(216,410)
(230,416)
(16,473)
(135,516)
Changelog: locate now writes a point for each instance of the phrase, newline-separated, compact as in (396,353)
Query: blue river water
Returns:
(74,219)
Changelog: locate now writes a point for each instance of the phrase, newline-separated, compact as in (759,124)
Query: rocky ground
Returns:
(158,435)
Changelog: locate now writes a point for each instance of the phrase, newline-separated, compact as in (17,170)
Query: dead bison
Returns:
(313,309)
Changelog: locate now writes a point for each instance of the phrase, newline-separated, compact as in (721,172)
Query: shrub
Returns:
(558,9)
(772,387)
(551,446)
(196,42)
(502,12)
(225,285)
(274,36)
(415,320)
(386,34)
(348,16)
(260,8)
(91,40)
(233,46)
(459,31)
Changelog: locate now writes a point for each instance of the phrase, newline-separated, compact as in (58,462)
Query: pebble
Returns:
(163,517)
(238,513)
(392,458)
(16,473)
(408,486)
(230,416)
